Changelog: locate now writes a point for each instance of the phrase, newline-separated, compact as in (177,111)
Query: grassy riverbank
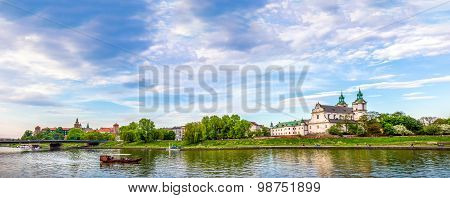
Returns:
(425,141)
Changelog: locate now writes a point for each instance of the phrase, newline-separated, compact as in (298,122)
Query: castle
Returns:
(323,117)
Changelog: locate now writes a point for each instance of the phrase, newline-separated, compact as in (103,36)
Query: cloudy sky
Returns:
(60,60)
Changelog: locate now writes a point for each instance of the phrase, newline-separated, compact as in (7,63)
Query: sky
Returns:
(62,60)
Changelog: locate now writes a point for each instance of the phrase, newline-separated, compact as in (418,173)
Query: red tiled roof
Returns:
(105,130)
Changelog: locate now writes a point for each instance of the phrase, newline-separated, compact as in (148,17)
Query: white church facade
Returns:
(323,117)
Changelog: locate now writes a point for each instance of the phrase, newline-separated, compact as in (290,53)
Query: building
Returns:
(428,120)
(255,126)
(114,130)
(77,125)
(179,132)
(290,128)
(323,117)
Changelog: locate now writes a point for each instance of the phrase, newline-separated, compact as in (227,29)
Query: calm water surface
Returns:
(228,163)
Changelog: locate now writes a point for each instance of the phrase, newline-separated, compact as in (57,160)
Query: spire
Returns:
(76,121)
(342,100)
(87,125)
(359,96)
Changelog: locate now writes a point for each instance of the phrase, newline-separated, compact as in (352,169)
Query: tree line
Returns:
(219,128)
(396,124)
(144,131)
(72,134)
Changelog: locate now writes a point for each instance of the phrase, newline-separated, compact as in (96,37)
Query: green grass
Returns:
(355,141)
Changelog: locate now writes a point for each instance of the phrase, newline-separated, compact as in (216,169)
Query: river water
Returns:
(228,163)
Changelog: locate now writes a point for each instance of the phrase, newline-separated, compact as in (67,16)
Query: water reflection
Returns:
(229,163)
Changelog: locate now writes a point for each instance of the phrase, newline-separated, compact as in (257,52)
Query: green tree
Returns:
(27,135)
(193,132)
(74,134)
(146,130)
(432,129)
(388,129)
(336,130)
(128,133)
(216,128)
(399,118)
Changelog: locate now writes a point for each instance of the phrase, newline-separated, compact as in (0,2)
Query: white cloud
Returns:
(383,77)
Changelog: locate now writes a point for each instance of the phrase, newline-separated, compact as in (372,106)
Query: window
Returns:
(326,126)
(317,116)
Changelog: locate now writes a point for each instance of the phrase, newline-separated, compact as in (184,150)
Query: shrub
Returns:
(445,129)
(335,130)
(388,129)
(432,129)
(357,129)
(402,130)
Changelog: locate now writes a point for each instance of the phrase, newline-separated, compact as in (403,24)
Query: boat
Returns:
(111,159)
(29,147)
(173,148)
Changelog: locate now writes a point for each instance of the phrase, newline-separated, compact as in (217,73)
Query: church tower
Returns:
(77,124)
(341,102)
(359,106)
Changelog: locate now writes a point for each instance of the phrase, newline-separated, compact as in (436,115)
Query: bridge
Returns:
(54,144)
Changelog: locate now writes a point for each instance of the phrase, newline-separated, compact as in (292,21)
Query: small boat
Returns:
(126,160)
(173,148)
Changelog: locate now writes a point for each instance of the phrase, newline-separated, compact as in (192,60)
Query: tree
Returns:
(27,135)
(128,133)
(371,124)
(432,129)
(169,135)
(216,128)
(60,131)
(399,118)
(74,134)
(445,129)
(388,129)
(146,130)
(441,121)
(193,132)
(95,135)
(336,130)
(357,129)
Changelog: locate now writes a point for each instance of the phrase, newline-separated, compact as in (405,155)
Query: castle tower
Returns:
(116,129)
(342,102)
(77,124)
(37,130)
(359,106)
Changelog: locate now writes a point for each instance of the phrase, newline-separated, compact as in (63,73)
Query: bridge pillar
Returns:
(55,146)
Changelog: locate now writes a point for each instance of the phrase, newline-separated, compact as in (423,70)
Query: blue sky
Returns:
(60,60)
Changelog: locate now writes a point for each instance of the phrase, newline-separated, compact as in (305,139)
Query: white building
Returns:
(323,117)
(179,132)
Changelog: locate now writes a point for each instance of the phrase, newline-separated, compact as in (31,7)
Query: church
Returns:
(323,117)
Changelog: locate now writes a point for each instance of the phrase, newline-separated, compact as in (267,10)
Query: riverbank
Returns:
(408,142)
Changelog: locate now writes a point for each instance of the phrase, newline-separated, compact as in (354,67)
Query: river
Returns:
(267,163)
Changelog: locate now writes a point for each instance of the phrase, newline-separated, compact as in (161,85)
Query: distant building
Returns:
(88,129)
(179,132)
(254,126)
(323,117)
(114,130)
(290,128)
(427,120)
(77,125)
(37,130)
